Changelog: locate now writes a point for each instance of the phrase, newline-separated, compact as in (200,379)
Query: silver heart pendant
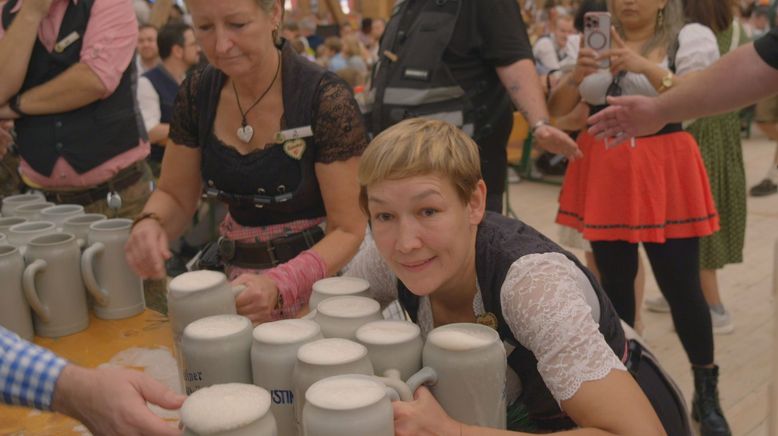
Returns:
(245,133)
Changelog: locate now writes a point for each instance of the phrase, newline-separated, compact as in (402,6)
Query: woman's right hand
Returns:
(587,63)
(147,249)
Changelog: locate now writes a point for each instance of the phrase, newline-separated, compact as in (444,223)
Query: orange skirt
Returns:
(648,193)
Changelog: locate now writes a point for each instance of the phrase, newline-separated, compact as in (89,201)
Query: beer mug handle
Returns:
(396,389)
(30,293)
(425,376)
(310,315)
(88,273)
(236,290)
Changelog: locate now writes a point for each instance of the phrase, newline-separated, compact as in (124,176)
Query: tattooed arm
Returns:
(521,81)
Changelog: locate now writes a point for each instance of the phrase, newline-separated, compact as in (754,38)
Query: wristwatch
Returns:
(667,82)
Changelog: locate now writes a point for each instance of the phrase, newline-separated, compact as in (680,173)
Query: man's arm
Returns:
(16,46)
(523,85)
(745,77)
(739,78)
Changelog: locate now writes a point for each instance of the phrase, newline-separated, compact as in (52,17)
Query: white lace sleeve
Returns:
(544,305)
(697,49)
(368,265)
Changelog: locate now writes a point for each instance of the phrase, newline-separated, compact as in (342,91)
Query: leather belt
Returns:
(263,255)
(122,180)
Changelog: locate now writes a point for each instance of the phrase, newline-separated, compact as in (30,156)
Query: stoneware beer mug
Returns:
(11,202)
(337,287)
(197,294)
(217,350)
(32,211)
(273,355)
(117,290)
(392,344)
(469,360)
(58,214)
(340,317)
(14,311)
(348,405)
(324,358)
(231,409)
(7,222)
(78,226)
(20,234)
(53,287)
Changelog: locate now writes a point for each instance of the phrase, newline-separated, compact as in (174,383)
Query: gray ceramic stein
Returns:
(231,409)
(11,202)
(14,311)
(340,317)
(20,234)
(348,405)
(324,358)
(53,287)
(216,350)
(78,226)
(61,212)
(338,287)
(7,222)
(32,211)
(273,355)
(392,344)
(118,292)
(470,363)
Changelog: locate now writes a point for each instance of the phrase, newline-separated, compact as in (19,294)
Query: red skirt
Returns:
(648,193)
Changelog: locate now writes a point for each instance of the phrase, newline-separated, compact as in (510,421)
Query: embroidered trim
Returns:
(638,227)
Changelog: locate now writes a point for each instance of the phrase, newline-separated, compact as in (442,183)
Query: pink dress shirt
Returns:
(108,48)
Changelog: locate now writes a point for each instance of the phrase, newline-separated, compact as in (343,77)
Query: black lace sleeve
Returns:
(339,126)
(184,125)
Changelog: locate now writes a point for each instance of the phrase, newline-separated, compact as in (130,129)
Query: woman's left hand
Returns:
(422,417)
(258,300)
(624,58)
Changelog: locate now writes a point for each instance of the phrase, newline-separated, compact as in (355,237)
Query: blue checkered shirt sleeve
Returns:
(28,372)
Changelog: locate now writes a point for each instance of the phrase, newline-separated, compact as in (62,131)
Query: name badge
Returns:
(292,134)
(67,41)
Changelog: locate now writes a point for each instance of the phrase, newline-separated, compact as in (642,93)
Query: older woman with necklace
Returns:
(276,138)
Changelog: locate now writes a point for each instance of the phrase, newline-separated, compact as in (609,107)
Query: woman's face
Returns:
(424,232)
(235,35)
(637,13)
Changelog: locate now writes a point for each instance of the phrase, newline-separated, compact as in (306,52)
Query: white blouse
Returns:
(549,305)
(697,49)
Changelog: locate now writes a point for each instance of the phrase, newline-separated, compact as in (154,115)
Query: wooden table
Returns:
(94,346)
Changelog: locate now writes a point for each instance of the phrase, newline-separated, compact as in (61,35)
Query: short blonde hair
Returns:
(417,147)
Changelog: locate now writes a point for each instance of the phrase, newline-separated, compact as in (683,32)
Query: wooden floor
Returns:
(745,355)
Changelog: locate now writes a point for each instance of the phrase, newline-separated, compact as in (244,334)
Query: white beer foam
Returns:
(461,337)
(196,280)
(225,407)
(331,351)
(387,332)
(286,331)
(344,393)
(348,307)
(216,326)
(341,285)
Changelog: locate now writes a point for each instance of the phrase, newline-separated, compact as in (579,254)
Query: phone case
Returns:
(597,33)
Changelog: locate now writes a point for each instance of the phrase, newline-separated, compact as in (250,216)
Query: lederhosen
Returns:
(410,78)
(295,193)
(500,241)
(85,137)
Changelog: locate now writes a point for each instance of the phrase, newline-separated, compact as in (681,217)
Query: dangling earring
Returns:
(274,34)
(660,18)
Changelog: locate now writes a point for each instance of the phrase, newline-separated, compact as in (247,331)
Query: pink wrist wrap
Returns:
(294,280)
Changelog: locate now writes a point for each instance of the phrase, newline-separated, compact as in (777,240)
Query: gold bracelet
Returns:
(143,216)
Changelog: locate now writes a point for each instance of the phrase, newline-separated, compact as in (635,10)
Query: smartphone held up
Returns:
(597,33)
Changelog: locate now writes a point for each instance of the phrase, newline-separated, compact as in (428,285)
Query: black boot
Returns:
(705,407)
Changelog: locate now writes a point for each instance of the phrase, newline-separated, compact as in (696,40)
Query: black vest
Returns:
(416,82)
(167,89)
(499,243)
(281,188)
(88,136)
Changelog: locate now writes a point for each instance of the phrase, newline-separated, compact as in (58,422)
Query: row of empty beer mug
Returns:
(374,360)
(52,263)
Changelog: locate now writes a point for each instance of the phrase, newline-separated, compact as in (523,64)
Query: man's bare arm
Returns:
(16,46)
(76,87)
